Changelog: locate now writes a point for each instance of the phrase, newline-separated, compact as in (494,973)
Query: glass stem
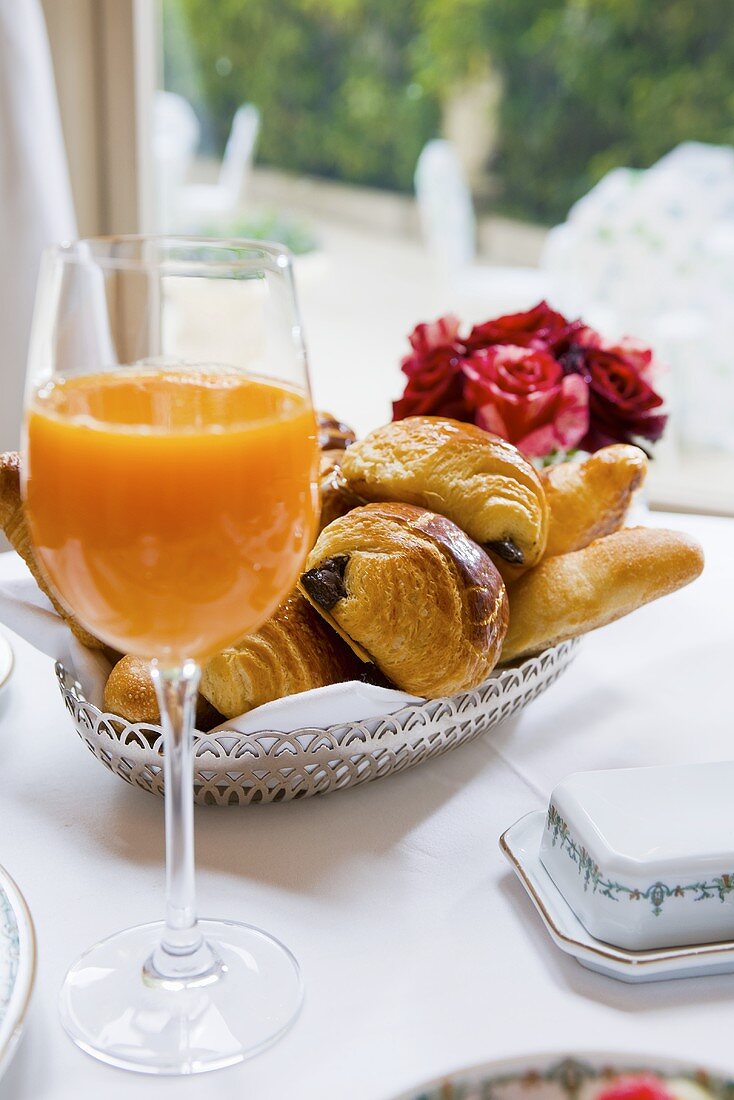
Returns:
(182,953)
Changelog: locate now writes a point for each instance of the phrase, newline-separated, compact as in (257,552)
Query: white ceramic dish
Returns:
(645,856)
(521,846)
(6,661)
(556,1076)
(17,966)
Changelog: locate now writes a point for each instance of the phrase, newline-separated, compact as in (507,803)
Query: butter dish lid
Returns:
(672,816)
(645,856)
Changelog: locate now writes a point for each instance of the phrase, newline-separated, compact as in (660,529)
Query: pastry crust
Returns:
(14,523)
(588,500)
(334,493)
(574,593)
(333,434)
(293,651)
(130,694)
(475,479)
(411,592)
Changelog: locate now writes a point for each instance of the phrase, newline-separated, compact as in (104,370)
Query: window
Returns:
(305,122)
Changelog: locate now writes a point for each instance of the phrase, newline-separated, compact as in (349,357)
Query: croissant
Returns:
(294,651)
(335,495)
(475,479)
(590,499)
(574,593)
(130,693)
(409,591)
(14,523)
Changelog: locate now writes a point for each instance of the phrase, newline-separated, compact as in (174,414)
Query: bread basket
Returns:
(236,769)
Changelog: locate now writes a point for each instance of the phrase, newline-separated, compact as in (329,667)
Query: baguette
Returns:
(574,593)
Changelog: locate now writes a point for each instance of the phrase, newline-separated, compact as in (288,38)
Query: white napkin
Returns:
(27,612)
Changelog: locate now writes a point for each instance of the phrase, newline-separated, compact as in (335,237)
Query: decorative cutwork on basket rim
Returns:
(269,766)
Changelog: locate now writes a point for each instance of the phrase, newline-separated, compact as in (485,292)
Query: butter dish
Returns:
(520,845)
(645,856)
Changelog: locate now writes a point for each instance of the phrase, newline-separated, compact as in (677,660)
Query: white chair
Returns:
(176,134)
(199,203)
(652,253)
(448,225)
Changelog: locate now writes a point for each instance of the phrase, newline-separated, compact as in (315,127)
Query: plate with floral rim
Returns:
(17,966)
(579,1076)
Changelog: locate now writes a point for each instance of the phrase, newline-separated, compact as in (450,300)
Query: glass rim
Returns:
(261,255)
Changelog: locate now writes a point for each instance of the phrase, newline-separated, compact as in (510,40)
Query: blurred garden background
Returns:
(546,95)
(416,155)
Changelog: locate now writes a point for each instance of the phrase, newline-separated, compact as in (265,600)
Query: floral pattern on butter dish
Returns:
(718,887)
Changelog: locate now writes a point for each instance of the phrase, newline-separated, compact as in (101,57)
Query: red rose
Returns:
(435,383)
(523,396)
(540,327)
(622,403)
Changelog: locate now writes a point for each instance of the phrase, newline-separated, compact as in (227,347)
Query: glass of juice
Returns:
(170,466)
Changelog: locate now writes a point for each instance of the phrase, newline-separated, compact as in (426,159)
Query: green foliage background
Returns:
(352,89)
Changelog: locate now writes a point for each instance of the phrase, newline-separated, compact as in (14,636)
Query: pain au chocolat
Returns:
(333,434)
(475,479)
(412,593)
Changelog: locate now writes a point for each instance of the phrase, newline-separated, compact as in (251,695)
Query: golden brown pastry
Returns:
(575,593)
(409,591)
(335,495)
(590,499)
(15,525)
(475,479)
(294,651)
(129,693)
(333,434)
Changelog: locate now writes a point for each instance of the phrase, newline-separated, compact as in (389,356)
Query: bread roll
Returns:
(475,479)
(590,499)
(294,651)
(335,495)
(130,693)
(412,593)
(14,523)
(575,593)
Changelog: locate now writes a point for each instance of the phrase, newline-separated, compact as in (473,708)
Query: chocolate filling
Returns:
(507,550)
(325,584)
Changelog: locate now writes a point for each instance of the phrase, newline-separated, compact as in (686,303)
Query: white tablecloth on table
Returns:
(419,949)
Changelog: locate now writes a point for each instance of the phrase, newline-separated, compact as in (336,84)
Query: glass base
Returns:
(116,1011)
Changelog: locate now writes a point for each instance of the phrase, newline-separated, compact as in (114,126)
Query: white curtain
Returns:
(36,207)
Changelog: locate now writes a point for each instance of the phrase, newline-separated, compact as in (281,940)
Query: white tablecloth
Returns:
(419,949)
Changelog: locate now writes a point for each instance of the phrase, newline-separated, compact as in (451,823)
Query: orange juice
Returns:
(171,508)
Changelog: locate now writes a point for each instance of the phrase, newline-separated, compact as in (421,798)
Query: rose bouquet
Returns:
(549,385)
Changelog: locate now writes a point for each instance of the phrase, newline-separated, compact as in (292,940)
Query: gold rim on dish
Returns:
(23,914)
(632,959)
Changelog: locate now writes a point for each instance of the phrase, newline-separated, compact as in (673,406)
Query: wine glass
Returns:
(170,467)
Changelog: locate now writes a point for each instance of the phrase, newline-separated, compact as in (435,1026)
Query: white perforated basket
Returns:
(235,769)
